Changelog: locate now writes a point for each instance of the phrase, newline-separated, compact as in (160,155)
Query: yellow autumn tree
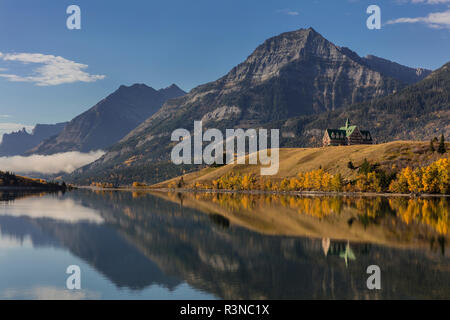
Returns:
(430,179)
(284,186)
(336,183)
(374,183)
(362,183)
(294,184)
(443,175)
(247,182)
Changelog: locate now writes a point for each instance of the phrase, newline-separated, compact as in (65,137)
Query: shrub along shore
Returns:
(431,179)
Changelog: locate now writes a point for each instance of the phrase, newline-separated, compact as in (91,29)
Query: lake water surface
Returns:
(221,246)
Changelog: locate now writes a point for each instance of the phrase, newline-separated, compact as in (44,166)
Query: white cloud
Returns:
(8,127)
(60,162)
(432,20)
(289,12)
(54,70)
(52,208)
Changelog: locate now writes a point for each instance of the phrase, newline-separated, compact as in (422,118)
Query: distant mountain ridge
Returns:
(397,71)
(17,143)
(389,68)
(294,74)
(109,120)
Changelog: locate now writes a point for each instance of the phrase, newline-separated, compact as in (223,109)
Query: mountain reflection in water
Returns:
(238,246)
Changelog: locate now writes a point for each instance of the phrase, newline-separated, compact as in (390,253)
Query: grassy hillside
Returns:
(391,157)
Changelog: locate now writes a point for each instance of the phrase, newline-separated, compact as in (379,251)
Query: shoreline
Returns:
(261,192)
(23,188)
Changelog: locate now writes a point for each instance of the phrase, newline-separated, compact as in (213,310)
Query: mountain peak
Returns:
(109,120)
(173,89)
(140,85)
(300,34)
(135,86)
(143,87)
(275,53)
(304,31)
(17,143)
(172,86)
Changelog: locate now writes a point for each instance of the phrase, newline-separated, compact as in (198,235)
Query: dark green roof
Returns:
(337,133)
(366,135)
(347,131)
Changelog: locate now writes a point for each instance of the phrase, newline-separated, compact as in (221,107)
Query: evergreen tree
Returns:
(365,167)
(441,148)
(431,146)
(181,183)
(350,165)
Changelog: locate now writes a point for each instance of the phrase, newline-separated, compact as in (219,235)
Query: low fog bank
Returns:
(65,162)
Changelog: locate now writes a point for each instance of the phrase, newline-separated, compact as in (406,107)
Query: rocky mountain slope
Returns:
(294,74)
(17,143)
(418,112)
(109,120)
(396,71)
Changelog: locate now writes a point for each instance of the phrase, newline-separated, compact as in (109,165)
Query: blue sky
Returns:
(182,42)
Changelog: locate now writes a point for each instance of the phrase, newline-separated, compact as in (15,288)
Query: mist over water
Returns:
(65,162)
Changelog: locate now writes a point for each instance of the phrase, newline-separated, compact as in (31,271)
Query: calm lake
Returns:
(132,245)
